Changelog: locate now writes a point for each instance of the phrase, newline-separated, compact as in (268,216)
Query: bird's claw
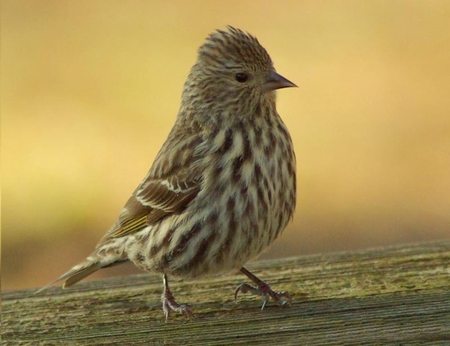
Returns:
(282,298)
(169,304)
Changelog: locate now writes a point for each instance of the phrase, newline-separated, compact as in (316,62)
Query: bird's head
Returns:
(234,73)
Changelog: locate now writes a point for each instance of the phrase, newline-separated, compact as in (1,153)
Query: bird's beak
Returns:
(275,81)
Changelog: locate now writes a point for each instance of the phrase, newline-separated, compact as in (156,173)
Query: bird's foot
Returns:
(281,298)
(169,303)
(262,289)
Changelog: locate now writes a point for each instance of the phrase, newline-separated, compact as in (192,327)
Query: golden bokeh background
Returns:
(90,90)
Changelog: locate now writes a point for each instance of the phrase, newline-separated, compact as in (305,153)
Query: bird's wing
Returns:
(155,199)
(167,196)
(172,182)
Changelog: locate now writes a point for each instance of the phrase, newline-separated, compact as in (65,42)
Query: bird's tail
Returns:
(90,265)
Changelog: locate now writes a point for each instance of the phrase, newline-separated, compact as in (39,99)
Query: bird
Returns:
(222,187)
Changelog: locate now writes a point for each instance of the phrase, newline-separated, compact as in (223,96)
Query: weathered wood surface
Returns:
(392,296)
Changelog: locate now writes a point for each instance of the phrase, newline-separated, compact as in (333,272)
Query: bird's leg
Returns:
(169,303)
(262,289)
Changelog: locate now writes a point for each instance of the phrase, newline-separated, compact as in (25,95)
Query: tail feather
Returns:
(77,274)
(85,268)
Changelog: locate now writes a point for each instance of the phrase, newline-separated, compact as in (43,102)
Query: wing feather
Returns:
(171,184)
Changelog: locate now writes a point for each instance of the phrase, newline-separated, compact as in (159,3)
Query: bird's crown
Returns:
(233,47)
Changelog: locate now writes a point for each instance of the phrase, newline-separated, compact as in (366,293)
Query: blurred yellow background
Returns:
(90,90)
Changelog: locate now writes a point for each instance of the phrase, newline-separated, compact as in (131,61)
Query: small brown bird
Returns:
(222,187)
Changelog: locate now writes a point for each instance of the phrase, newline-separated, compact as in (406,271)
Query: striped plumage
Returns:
(222,187)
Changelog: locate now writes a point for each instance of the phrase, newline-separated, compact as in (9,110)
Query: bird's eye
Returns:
(241,77)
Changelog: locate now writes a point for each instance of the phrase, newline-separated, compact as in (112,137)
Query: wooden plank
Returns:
(389,296)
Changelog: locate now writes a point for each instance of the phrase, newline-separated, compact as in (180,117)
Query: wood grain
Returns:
(390,296)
